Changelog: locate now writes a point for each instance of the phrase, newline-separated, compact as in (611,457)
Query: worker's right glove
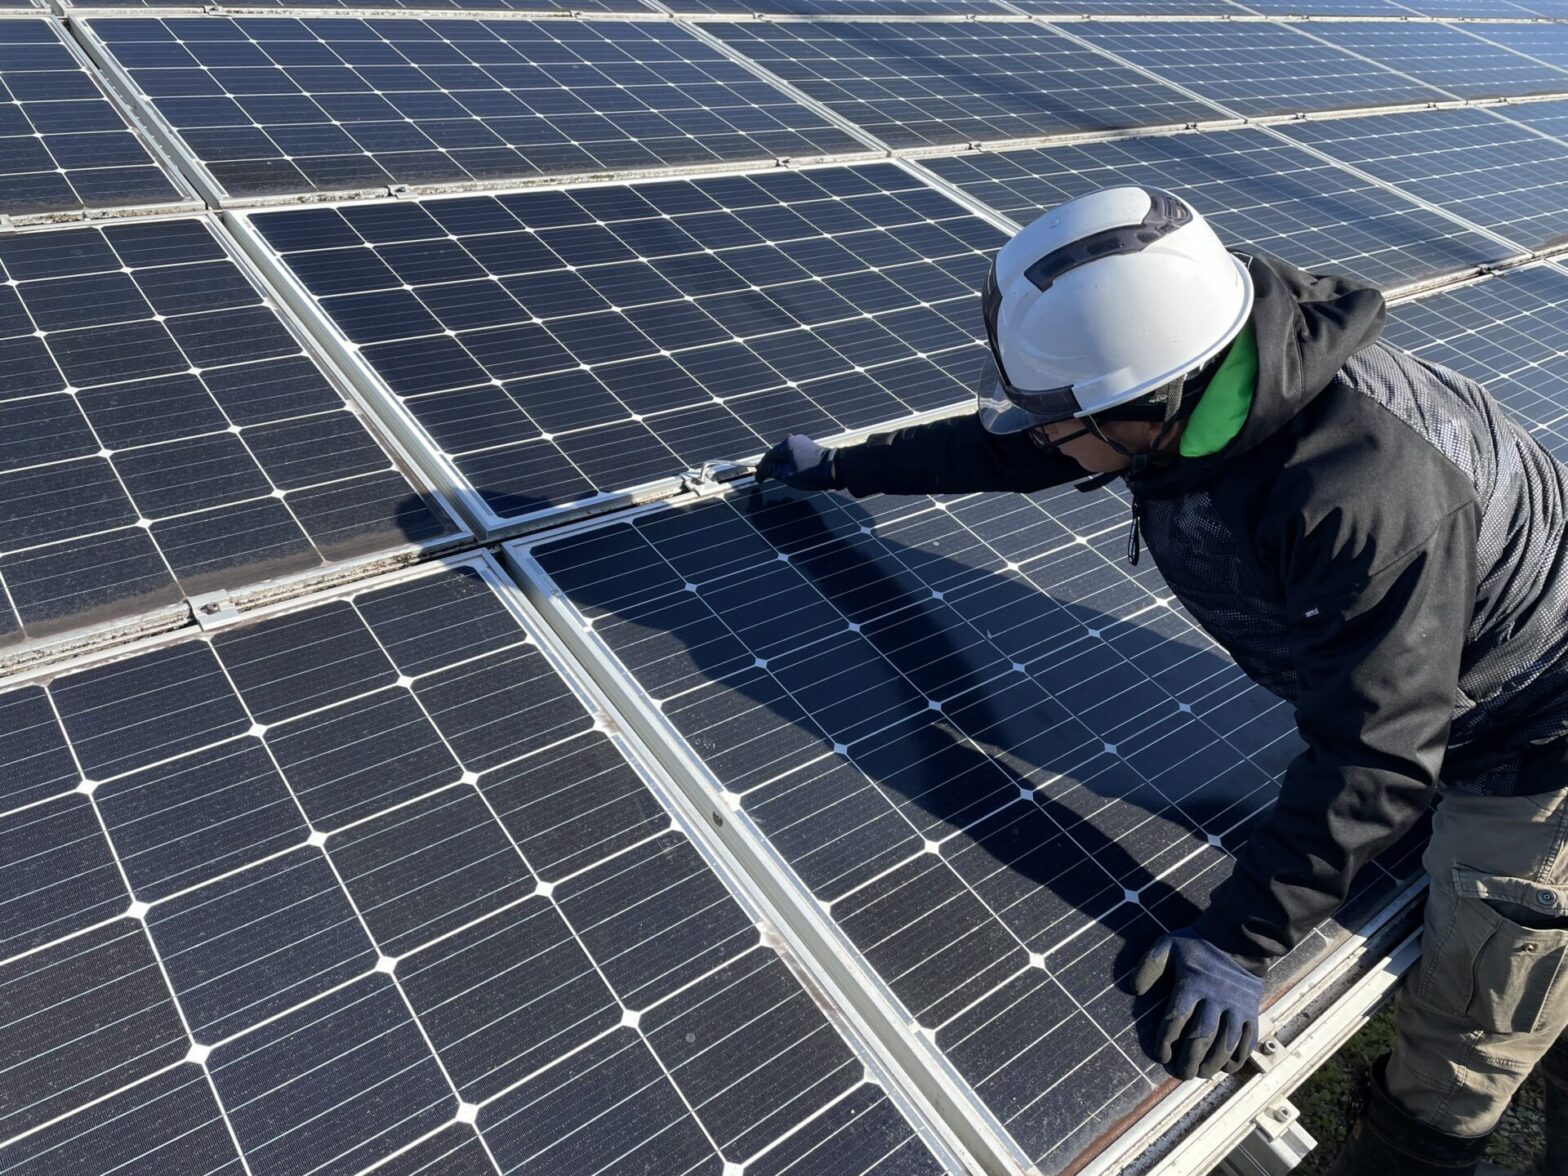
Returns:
(800,462)
(1211,1017)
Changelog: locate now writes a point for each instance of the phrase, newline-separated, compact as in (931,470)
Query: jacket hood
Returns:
(1306,326)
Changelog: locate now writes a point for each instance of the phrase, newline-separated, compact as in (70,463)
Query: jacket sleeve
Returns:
(954,455)
(1377,672)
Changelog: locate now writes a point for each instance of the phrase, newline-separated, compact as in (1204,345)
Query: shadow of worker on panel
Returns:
(931,740)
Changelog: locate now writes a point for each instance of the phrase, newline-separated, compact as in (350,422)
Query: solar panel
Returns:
(1510,334)
(838,8)
(554,346)
(368,878)
(63,147)
(1447,56)
(273,105)
(1471,163)
(370,881)
(917,84)
(1548,118)
(1258,192)
(552,7)
(1128,7)
(163,434)
(1544,42)
(1327,7)
(1256,68)
(1501,9)
(998,759)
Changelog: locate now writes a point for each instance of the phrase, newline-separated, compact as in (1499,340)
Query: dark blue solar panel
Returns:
(1448,56)
(588,341)
(63,147)
(1490,171)
(998,758)
(915,84)
(271,104)
(1258,192)
(525,963)
(1510,333)
(1255,68)
(163,434)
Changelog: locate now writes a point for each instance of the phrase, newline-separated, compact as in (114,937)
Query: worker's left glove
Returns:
(800,462)
(1211,1018)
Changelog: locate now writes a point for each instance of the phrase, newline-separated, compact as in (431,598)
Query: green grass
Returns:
(1328,1102)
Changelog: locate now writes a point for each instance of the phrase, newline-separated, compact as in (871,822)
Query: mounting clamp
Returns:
(705,479)
(213,609)
(1274,1146)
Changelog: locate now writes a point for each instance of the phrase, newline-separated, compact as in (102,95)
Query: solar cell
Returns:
(998,759)
(1447,56)
(1509,333)
(522,963)
(1471,163)
(917,84)
(1258,192)
(554,346)
(163,434)
(1255,69)
(63,147)
(273,105)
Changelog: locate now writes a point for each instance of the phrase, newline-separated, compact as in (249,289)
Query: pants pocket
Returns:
(1499,963)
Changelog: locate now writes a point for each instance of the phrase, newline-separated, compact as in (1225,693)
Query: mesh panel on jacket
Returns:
(1513,686)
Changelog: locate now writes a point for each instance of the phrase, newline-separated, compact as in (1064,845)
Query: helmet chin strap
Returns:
(1139,464)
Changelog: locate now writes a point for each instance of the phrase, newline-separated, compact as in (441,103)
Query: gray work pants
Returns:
(1490,993)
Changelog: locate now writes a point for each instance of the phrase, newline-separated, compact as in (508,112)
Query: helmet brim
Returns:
(999,413)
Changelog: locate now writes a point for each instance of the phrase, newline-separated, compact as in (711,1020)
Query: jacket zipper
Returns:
(1134,535)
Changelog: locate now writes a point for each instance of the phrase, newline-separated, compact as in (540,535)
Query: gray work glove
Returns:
(800,462)
(1211,1016)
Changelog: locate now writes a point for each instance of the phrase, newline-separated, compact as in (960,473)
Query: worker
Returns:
(1371,538)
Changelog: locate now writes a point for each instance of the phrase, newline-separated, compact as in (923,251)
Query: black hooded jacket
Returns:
(1379,544)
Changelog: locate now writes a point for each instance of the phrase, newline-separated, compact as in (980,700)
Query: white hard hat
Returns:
(1104,300)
